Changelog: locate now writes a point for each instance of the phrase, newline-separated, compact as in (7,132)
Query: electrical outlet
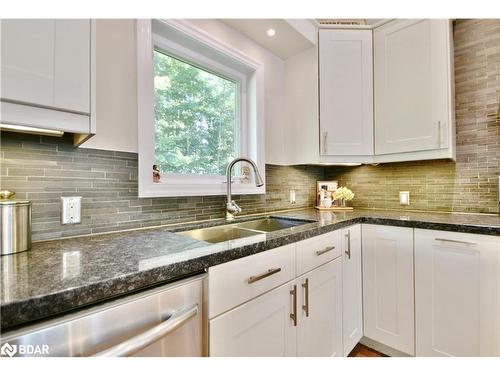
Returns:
(404,198)
(71,210)
(292,196)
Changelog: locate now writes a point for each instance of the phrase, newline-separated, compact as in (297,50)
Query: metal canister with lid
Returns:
(15,223)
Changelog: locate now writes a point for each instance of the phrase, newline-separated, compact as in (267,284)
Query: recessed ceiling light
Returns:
(271,32)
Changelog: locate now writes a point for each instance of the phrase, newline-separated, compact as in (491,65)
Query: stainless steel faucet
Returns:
(231,207)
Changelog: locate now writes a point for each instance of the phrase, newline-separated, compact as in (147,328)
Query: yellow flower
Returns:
(343,193)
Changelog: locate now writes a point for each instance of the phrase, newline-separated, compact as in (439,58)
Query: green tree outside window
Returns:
(195,118)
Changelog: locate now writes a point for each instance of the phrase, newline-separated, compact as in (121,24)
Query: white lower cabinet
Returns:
(388,290)
(300,318)
(352,287)
(457,294)
(256,310)
(319,325)
(261,327)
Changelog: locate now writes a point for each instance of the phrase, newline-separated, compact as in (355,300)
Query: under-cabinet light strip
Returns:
(31,130)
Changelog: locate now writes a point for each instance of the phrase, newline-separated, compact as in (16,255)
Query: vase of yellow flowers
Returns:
(342,195)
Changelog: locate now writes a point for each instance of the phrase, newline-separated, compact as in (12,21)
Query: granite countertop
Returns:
(61,275)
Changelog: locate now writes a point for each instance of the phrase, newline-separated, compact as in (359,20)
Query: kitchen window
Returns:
(196,125)
(200,104)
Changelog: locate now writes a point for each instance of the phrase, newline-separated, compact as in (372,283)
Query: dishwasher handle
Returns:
(136,343)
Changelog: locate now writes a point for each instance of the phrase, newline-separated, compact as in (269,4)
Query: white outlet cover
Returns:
(71,210)
(404,198)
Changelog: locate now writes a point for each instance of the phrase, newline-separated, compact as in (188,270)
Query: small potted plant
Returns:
(342,195)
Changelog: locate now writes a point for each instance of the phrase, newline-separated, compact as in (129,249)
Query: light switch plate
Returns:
(71,210)
(404,198)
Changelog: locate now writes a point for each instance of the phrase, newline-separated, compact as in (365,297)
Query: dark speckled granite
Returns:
(58,276)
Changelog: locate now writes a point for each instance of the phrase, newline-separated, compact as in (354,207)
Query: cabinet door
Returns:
(457,294)
(346,92)
(388,291)
(412,85)
(352,287)
(319,331)
(46,62)
(261,327)
(28,60)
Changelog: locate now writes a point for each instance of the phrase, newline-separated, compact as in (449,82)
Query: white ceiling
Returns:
(285,43)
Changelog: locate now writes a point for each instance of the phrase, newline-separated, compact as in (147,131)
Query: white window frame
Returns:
(181,39)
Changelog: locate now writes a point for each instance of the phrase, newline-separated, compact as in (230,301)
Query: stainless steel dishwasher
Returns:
(167,321)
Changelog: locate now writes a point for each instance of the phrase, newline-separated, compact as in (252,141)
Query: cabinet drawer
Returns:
(314,252)
(233,283)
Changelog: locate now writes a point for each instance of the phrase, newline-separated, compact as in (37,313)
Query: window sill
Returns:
(164,189)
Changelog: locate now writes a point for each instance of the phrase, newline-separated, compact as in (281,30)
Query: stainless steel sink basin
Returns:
(218,234)
(242,229)
(270,224)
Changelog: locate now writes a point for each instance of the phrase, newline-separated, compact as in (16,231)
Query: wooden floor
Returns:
(364,351)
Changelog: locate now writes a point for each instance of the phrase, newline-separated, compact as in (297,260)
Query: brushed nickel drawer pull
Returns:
(305,307)
(321,252)
(293,314)
(456,241)
(270,272)
(348,251)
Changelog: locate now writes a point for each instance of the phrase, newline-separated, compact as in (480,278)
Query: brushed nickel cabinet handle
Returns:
(456,241)
(305,307)
(325,137)
(325,250)
(269,272)
(348,251)
(293,314)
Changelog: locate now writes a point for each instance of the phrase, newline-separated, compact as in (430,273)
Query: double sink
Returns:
(243,229)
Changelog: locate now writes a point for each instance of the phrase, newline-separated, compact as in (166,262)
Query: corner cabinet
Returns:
(386,94)
(414,94)
(388,289)
(47,71)
(346,92)
(457,294)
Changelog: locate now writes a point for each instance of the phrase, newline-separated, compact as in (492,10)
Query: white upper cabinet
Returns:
(346,92)
(457,294)
(386,94)
(413,76)
(46,71)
